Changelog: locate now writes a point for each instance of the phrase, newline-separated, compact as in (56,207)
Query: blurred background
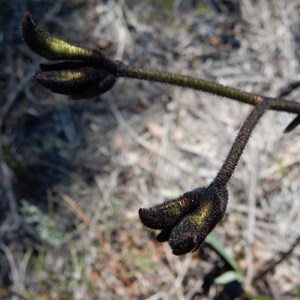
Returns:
(73,174)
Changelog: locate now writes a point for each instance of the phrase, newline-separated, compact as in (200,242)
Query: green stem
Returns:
(208,86)
(240,142)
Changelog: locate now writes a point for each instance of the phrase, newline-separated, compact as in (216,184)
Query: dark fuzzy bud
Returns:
(190,233)
(98,88)
(81,83)
(53,48)
(49,46)
(167,214)
(185,222)
(164,235)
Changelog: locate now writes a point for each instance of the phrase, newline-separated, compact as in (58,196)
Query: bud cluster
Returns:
(81,73)
(185,222)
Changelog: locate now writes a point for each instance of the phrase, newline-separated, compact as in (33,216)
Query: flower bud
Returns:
(53,48)
(49,46)
(190,233)
(167,214)
(185,222)
(83,82)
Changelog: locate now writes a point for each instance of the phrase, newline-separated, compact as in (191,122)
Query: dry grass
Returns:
(84,168)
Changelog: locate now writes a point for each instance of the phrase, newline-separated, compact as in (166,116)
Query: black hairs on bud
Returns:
(185,222)
(98,88)
(167,214)
(53,48)
(190,233)
(76,82)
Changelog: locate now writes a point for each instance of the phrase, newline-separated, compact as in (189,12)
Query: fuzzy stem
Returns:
(208,86)
(240,142)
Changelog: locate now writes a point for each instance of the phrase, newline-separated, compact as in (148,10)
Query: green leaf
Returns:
(229,276)
(217,244)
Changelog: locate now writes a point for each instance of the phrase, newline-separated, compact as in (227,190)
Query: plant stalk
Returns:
(277,104)
(240,142)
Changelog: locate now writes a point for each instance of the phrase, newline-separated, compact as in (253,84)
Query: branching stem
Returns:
(208,86)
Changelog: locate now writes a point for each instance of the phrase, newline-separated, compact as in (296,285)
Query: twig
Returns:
(271,265)
(76,209)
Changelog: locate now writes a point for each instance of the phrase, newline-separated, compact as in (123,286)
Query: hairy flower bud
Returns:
(190,233)
(167,214)
(49,46)
(82,82)
(53,48)
(185,222)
